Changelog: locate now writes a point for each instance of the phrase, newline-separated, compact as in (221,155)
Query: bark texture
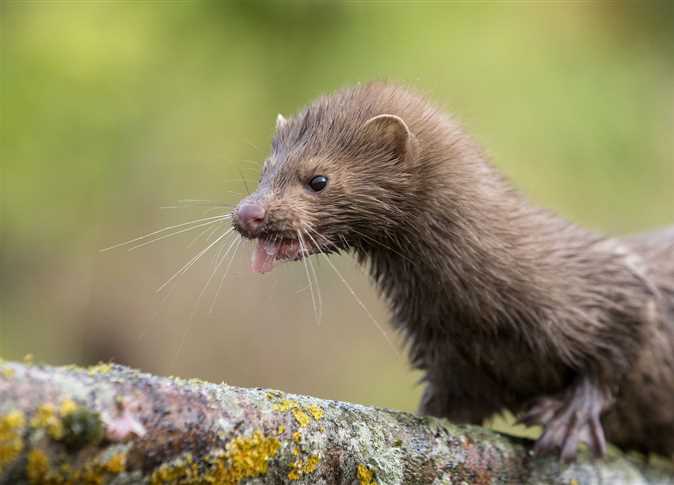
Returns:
(112,424)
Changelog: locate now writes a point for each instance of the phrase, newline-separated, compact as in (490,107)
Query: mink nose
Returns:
(251,216)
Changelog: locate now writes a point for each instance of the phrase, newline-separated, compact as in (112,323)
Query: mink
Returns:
(503,305)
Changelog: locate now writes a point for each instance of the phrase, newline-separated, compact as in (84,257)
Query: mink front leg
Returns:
(570,418)
(435,401)
(443,399)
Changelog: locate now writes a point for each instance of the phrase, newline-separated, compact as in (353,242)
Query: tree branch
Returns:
(111,424)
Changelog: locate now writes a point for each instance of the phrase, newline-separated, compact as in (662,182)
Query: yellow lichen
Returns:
(69,425)
(96,471)
(301,417)
(365,475)
(68,406)
(7,372)
(316,412)
(293,474)
(281,429)
(11,439)
(297,436)
(299,413)
(285,405)
(181,470)
(311,464)
(37,466)
(100,368)
(46,418)
(301,467)
(93,472)
(196,381)
(249,457)
(116,463)
(244,457)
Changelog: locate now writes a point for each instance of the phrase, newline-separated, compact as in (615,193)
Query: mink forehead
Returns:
(304,169)
(313,146)
(331,127)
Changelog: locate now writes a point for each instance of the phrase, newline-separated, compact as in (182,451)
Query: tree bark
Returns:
(112,424)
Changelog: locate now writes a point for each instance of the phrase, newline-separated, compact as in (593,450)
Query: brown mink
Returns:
(503,305)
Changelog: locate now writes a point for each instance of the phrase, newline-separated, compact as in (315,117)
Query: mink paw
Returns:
(570,419)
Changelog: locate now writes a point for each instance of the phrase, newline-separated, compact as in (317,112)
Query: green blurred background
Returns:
(112,110)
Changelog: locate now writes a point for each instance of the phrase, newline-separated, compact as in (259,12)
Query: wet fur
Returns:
(503,305)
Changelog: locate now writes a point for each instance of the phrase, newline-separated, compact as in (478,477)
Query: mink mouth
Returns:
(275,248)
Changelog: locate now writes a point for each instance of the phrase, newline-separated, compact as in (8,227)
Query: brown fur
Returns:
(503,305)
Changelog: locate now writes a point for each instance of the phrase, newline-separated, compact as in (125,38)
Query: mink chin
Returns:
(503,305)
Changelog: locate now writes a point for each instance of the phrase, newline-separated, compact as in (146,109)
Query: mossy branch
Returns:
(111,424)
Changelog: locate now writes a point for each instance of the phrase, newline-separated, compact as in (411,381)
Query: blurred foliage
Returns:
(110,110)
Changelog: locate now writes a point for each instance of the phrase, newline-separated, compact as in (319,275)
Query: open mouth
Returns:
(270,251)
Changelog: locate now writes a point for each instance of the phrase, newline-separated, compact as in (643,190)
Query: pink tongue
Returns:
(267,254)
(264,257)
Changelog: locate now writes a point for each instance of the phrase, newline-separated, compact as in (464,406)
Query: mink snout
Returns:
(249,217)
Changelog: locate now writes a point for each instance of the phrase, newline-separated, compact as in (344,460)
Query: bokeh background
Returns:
(112,111)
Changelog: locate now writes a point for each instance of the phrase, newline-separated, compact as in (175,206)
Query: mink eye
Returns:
(318,183)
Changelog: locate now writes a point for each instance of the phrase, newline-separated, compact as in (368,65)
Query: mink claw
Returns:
(597,433)
(569,421)
(584,429)
(540,412)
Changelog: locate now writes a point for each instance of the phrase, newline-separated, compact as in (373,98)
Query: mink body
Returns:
(503,305)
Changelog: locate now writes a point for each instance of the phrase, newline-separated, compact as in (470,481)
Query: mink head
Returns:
(338,176)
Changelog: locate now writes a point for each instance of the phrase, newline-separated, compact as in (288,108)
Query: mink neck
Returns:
(476,251)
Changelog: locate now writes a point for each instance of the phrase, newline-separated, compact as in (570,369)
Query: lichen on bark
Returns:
(112,424)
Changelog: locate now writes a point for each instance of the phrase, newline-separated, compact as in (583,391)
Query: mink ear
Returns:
(392,132)
(280,121)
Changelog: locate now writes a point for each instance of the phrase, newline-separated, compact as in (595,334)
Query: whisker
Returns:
(192,206)
(209,230)
(318,290)
(317,234)
(191,262)
(356,297)
(203,201)
(302,290)
(166,236)
(318,286)
(222,257)
(215,208)
(191,203)
(219,259)
(224,275)
(380,244)
(158,232)
(306,270)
